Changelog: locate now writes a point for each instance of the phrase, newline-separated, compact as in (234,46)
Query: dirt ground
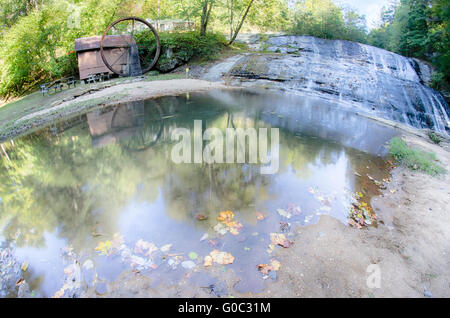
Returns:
(411,248)
(81,99)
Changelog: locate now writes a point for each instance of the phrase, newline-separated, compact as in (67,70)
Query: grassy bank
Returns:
(415,159)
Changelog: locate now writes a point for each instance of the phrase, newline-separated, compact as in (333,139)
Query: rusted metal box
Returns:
(116,49)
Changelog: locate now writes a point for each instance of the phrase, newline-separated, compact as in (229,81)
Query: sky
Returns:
(370,8)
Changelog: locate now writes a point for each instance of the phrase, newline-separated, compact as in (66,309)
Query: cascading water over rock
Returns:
(372,79)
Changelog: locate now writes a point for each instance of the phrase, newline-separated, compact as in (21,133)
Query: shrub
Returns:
(183,45)
(415,159)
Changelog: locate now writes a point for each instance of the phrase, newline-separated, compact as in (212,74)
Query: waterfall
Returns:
(370,79)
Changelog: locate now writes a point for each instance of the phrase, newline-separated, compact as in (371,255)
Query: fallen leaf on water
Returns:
(193,255)
(201,217)
(280,239)
(220,228)
(266,268)
(24,266)
(207,261)
(144,247)
(225,217)
(227,224)
(221,258)
(259,216)
(103,247)
(204,237)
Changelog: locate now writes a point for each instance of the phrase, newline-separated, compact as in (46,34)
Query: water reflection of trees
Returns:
(62,181)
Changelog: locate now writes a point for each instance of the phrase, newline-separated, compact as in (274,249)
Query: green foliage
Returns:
(322,18)
(39,47)
(190,44)
(183,47)
(418,28)
(12,10)
(434,137)
(415,159)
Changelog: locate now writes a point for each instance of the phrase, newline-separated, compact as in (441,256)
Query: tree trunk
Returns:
(206,12)
(236,32)
(231,17)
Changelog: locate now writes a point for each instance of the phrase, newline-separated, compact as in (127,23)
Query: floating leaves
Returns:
(193,255)
(24,266)
(145,248)
(361,214)
(259,216)
(220,229)
(227,223)
(103,247)
(141,262)
(266,268)
(378,183)
(110,247)
(219,257)
(201,217)
(208,261)
(226,217)
(280,239)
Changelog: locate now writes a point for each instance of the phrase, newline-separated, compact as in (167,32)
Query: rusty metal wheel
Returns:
(127,38)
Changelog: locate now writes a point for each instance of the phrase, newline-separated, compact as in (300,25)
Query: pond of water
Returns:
(87,199)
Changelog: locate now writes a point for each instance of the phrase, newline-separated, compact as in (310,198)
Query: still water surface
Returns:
(105,180)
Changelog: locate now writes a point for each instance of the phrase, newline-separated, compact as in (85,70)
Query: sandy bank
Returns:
(92,97)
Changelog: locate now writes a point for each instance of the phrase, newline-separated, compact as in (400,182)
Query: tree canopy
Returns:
(417,28)
(37,36)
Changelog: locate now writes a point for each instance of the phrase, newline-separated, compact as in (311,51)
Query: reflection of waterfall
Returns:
(312,117)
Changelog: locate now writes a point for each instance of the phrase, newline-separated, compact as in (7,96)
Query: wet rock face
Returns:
(377,81)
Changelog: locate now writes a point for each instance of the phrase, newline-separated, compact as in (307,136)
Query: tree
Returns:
(206,13)
(418,28)
(239,26)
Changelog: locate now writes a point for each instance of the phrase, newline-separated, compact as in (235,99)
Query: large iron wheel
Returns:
(130,32)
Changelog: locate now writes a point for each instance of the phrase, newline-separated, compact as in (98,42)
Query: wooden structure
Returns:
(119,49)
